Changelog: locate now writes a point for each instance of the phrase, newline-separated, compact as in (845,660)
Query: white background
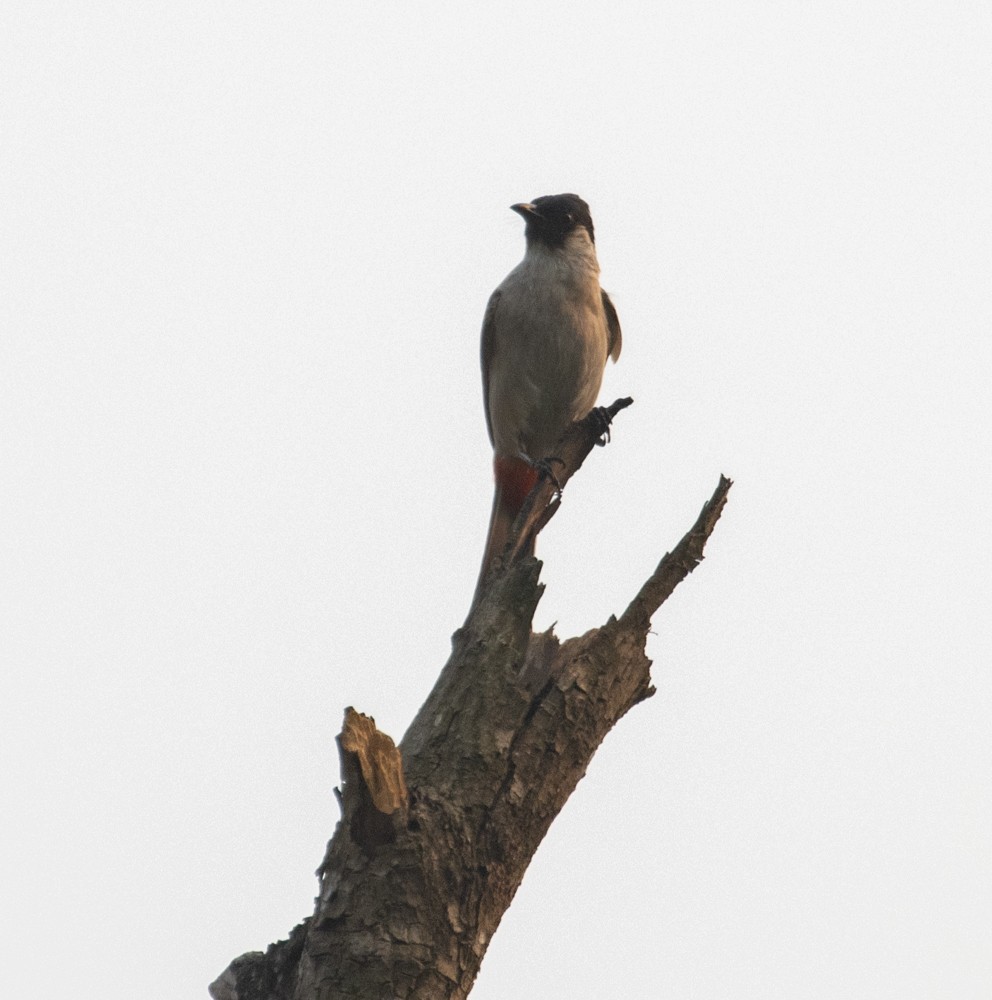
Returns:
(246,249)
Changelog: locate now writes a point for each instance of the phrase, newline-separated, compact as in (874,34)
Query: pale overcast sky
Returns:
(245,250)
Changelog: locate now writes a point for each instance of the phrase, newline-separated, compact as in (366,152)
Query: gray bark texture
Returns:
(435,836)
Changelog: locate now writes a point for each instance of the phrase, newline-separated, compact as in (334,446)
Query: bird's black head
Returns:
(550,219)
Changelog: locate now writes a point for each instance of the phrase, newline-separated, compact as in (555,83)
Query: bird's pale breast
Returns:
(550,348)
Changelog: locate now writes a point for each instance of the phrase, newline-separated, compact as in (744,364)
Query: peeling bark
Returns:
(436,835)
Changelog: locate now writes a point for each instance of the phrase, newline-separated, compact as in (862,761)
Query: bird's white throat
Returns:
(574,262)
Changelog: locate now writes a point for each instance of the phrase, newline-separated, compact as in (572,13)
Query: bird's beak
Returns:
(525,209)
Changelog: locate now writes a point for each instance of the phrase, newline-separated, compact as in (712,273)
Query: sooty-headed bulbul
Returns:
(547,333)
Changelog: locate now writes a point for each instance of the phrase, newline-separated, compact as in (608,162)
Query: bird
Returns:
(547,332)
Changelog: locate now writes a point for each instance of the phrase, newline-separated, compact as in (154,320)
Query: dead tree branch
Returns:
(436,836)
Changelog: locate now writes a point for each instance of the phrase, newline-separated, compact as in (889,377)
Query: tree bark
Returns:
(435,836)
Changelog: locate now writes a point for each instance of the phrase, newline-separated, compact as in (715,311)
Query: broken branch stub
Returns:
(374,795)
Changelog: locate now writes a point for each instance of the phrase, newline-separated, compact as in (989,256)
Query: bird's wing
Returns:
(613,327)
(488,349)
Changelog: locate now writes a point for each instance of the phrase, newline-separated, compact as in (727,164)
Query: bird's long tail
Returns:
(515,478)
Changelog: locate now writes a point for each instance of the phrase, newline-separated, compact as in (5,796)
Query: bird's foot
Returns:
(602,419)
(544,470)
